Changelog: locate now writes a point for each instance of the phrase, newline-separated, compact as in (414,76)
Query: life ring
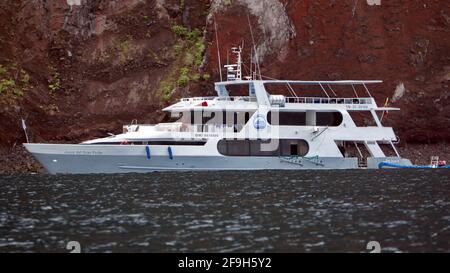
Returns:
(125,142)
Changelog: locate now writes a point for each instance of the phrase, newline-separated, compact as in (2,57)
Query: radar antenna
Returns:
(234,71)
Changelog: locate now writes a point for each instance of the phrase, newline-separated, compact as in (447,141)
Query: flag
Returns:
(24,125)
(386,105)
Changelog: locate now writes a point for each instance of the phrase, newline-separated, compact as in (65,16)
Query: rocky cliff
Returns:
(81,68)
(404,43)
(76,69)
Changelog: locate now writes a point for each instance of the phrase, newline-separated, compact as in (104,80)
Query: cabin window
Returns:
(331,119)
(247,117)
(308,118)
(246,147)
(287,118)
(207,116)
(223,117)
(175,117)
(294,149)
(362,118)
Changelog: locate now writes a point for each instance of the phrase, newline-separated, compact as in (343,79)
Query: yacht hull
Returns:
(87,159)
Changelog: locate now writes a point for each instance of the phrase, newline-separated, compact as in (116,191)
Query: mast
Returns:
(218,49)
(257,68)
(234,71)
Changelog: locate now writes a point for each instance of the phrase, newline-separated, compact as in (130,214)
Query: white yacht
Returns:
(259,130)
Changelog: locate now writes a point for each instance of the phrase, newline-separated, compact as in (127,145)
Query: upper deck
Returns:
(278,101)
(258,96)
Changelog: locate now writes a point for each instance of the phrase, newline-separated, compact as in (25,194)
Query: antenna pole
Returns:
(251,63)
(254,48)
(218,49)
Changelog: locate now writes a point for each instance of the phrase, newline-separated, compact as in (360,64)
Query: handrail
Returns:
(234,98)
(237,98)
(198,98)
(317,100)
(184,127)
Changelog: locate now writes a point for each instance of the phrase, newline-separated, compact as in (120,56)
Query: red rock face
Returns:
(104,59)
(108,58)
(399,42)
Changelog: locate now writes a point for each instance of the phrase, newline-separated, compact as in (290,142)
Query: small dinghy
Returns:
(435,164)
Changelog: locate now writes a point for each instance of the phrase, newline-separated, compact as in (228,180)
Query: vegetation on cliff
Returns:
(188,51)
(14,82)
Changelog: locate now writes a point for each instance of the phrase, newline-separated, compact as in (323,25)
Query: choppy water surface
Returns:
(273,211)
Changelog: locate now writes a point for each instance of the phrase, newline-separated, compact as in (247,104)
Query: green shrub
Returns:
(178,48)
(196,77)
(13,81)
(180,31)
(206,77)
(125,48)
(3,71)
(166,88)
(189,50)
(188,59)
(184,71)
(17,92)
(183,80)
(199,50)
(192,36)
(7,84)
(55,82)
(24,78)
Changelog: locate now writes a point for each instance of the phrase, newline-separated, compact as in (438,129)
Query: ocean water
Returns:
(264,211)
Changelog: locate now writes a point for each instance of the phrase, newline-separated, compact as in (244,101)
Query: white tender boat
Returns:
(259,131)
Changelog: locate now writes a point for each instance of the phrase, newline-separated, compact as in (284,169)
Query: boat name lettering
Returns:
(206,135)
(80,152)
(392,160)
(363,107)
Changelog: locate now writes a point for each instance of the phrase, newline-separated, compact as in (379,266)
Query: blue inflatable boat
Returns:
(387,165)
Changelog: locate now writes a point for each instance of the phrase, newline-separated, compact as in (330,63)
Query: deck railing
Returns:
(183,127)
(329,100)
(314,100)
(235,98)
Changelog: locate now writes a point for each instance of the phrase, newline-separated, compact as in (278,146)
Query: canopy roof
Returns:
(347,82)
